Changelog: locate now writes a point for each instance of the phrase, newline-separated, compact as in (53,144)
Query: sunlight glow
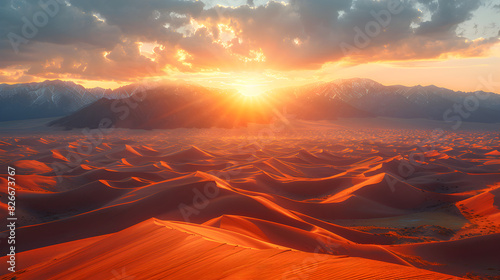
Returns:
(249,90)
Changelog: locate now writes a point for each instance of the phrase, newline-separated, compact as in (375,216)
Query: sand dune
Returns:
(165,250)
(205,204)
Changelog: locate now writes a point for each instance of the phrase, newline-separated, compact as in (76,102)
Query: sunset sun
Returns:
(249,90)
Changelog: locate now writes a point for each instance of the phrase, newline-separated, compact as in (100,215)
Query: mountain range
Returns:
(429,102)
(179,104)
(47,99)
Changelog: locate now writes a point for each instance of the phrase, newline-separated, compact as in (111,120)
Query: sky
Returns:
(251,45)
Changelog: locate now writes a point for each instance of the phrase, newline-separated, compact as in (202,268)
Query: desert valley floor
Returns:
(310,201)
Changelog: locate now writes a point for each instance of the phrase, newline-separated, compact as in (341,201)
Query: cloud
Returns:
(95,39)
(143,19)
(447,16)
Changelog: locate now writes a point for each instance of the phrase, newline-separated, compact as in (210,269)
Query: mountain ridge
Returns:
(51,98)
(429,102)
(355,97)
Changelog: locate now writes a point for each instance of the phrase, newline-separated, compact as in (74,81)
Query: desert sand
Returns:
(322,200)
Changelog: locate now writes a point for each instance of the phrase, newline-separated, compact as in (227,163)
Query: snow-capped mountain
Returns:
(429,102)
(47,99)
(181,104)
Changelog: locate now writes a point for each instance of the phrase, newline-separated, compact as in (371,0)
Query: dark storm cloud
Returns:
(98,39)
(143,18)
(446,16)
(56,23)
